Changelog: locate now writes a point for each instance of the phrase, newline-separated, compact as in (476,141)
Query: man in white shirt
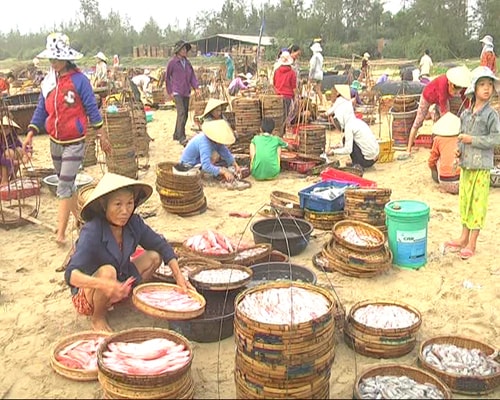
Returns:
(425,64)
(359,142)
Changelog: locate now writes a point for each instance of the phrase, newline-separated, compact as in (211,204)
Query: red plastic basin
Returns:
(332,174)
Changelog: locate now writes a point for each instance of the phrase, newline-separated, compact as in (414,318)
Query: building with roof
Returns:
(234,44)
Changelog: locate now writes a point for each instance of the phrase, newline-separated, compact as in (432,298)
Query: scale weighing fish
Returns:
(385,316)
(221,276)
(284,306)
(397,387)
(169,299)
(459,360)
(81,354)
(150,357)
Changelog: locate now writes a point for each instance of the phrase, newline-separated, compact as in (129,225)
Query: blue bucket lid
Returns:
(411,208)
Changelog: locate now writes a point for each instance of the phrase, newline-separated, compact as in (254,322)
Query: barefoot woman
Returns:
(100,272)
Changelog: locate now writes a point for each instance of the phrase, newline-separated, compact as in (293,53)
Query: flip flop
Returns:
(454,247)
(466,253)
(403,157)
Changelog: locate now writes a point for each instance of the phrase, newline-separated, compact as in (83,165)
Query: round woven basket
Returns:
(286,203)
(164,313)
(253,255)
(73,373)
(400,370)
(223,286)
(361,229)
(176,384)
(323,220)
(82,196)
(469,385)
(223,258)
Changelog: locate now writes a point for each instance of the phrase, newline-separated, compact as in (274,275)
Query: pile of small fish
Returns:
(385,316)
(247,253)
(151,357)
(284,306)
(221,276)
(352,236)
(169,299)
(397,387)
(210,242)
(81,354)
(167,271)
(459,360)
(327,193)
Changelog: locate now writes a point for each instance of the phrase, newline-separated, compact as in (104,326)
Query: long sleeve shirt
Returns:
(316,67)
(199,151)
(443,155)
(436,92)
(96,246)
(285,81)
(180,77)
(357,131)
(489,59)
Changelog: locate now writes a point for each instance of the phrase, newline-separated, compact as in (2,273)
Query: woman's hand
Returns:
(464,138)
(104,142)
(228,175)
(116,291)
(28,142)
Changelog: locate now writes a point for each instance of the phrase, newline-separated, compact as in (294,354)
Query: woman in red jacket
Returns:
(285,83)
(439,92)
(65,107)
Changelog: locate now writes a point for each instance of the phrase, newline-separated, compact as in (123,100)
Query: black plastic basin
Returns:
(276,271)
(288,235)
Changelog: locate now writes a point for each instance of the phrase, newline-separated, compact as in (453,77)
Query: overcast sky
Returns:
(33,15)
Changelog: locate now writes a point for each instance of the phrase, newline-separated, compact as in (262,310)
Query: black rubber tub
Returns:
(288,235)
(207,327)
(277,271)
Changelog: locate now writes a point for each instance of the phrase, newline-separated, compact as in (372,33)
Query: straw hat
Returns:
(447,125)
(6,121)
(477,73)
(109,183)
(101,56)
(180,44)
(58,48)
(212,105)
(459,76)
(366,55)
(219,131)
(344,91)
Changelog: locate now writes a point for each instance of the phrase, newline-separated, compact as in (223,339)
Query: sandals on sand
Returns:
(466,253)
(453,247)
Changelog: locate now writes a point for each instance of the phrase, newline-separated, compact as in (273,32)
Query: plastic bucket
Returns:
(406,222)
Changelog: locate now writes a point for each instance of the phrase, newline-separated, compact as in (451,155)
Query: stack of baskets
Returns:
(247,115)
(286,204)
(123,159)
(90,156)
(284,360)
(230,118)
(142,138)
(159,96)
(357,249)
(198,107)
(403,112)
(180,194)
(367,205)
(178,384)
(377,342)
(323,220)
(312,140)
(272,107)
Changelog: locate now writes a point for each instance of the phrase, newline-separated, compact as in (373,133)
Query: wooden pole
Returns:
(29,218)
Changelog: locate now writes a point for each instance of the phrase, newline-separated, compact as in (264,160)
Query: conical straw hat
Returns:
(344,91)
(6,121)
(459,76)
(212,105)
(447,125)
(109,183)
(219,131)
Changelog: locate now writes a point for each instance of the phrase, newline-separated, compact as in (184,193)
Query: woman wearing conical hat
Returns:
(101,273)
(101,70)
(11,150)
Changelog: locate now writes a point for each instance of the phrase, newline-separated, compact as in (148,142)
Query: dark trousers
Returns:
(182,107)
(357,156)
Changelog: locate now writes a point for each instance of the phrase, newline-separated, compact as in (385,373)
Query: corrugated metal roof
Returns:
(265,41)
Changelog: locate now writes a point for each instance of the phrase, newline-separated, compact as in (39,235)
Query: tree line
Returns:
(449,28)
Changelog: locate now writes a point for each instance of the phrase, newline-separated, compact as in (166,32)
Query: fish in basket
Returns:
(75,356)
(224,277)
(466,365)
(357,235)
(211,244)
(168,301)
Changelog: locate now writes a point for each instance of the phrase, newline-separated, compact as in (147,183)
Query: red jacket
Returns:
(66,109)
(285,81)
(436,92)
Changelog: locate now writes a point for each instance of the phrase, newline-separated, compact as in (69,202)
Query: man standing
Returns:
(425,65)
(180,78)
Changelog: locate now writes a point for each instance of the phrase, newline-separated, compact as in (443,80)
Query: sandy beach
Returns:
(455,297)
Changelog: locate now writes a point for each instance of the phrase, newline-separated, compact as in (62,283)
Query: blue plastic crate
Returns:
(316,203)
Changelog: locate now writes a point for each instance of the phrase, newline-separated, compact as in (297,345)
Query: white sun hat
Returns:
(58,48)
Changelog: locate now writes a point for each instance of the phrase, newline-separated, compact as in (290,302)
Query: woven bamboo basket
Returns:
(273,107)
(321,263)
(286,203)
(400,370)
(361,229)
(74,373)
(90,156)
(247,113)
(168,385)
(230,118)
(223,258)
(253,255)
(381,343)
(220,286)
(401,126)
(139,126)
(184,196)
(165,313)
(81,197)
(323,220)
(187,263)
(185,210)
(284,360)
(469,385)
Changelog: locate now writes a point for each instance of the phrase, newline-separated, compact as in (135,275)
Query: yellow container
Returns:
(386,154)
